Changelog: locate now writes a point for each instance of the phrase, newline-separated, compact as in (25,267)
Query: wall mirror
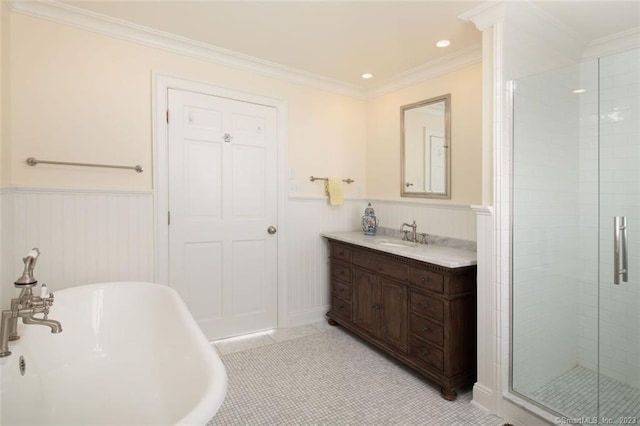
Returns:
(425,136)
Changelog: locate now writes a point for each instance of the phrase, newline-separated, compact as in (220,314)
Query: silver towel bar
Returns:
(347,180)
(33,161)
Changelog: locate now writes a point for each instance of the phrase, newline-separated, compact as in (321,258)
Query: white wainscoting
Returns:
(84,236)
(485,393)
(446,220)
(5,231)
(87,236)
(307,255)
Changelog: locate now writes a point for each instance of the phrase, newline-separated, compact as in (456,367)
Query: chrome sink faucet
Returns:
(26,306)
(414,228)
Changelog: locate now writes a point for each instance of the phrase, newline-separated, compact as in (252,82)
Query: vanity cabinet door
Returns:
(364,300)
(380,308)
(393,313)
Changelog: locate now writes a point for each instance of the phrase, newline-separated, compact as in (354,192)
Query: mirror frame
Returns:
(447,145)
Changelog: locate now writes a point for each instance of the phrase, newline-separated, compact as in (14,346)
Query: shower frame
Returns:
(619,253)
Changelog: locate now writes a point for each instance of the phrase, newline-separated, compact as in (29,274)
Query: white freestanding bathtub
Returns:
(130,353)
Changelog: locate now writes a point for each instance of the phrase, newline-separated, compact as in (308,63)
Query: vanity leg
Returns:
(332,322)
(448,394)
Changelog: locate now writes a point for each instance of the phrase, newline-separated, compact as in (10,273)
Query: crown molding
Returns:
(485,15)
(533,16)
(84,19)
(65,14)
(460,59)
(613,43)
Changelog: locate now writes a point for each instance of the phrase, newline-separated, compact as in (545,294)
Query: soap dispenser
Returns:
(369,221)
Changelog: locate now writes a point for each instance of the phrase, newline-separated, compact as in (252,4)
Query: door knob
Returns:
(272,230)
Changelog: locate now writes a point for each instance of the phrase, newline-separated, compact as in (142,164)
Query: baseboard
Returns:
(296,319)
(484,398)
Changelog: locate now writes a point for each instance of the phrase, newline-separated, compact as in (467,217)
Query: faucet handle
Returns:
(406,236)
(47,298)
(424,238)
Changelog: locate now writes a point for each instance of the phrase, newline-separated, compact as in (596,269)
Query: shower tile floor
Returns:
(573,394)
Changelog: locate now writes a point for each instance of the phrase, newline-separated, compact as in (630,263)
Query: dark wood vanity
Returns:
(422,314)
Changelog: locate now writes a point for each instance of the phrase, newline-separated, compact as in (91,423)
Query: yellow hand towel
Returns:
(333,187)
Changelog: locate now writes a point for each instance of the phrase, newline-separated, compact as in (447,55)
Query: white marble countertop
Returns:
(449,257)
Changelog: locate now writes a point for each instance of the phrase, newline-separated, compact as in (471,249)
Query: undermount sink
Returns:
(396,243)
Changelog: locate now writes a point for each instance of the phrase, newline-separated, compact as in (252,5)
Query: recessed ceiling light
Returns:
(443,43)
(578,91)
(367,75)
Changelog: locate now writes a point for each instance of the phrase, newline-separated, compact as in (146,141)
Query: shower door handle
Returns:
(620,258)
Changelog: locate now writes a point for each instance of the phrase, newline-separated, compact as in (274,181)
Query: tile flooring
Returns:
(238,344)
(575,395)
(323,375)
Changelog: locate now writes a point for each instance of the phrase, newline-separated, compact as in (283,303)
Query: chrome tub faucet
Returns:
(26,306)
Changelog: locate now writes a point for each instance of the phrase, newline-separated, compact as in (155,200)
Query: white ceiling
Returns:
(343,39)
(339,40)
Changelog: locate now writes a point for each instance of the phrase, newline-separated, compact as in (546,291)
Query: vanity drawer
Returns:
(381,265)
(341,271)
(342,290)
(341,308)
(427,353)
(428,330)
(426,279)
(428,306)
(340,252)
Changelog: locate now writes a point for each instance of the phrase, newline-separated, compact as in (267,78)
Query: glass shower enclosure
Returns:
(575,284)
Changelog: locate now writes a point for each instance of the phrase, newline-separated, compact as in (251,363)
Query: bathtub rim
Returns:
(205,408)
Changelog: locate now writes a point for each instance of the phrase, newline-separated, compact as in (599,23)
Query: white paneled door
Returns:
(223,211)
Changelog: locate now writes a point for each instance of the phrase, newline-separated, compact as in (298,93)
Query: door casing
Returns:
(161,84)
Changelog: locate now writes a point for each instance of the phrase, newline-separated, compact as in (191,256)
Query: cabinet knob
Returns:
(341,253)
(425,306)
(425,329)
(342,272)
(376,306)
(425,279)
(425,352)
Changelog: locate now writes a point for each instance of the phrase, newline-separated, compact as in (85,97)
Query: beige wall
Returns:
(4,92)
(383,135)
(82,96)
